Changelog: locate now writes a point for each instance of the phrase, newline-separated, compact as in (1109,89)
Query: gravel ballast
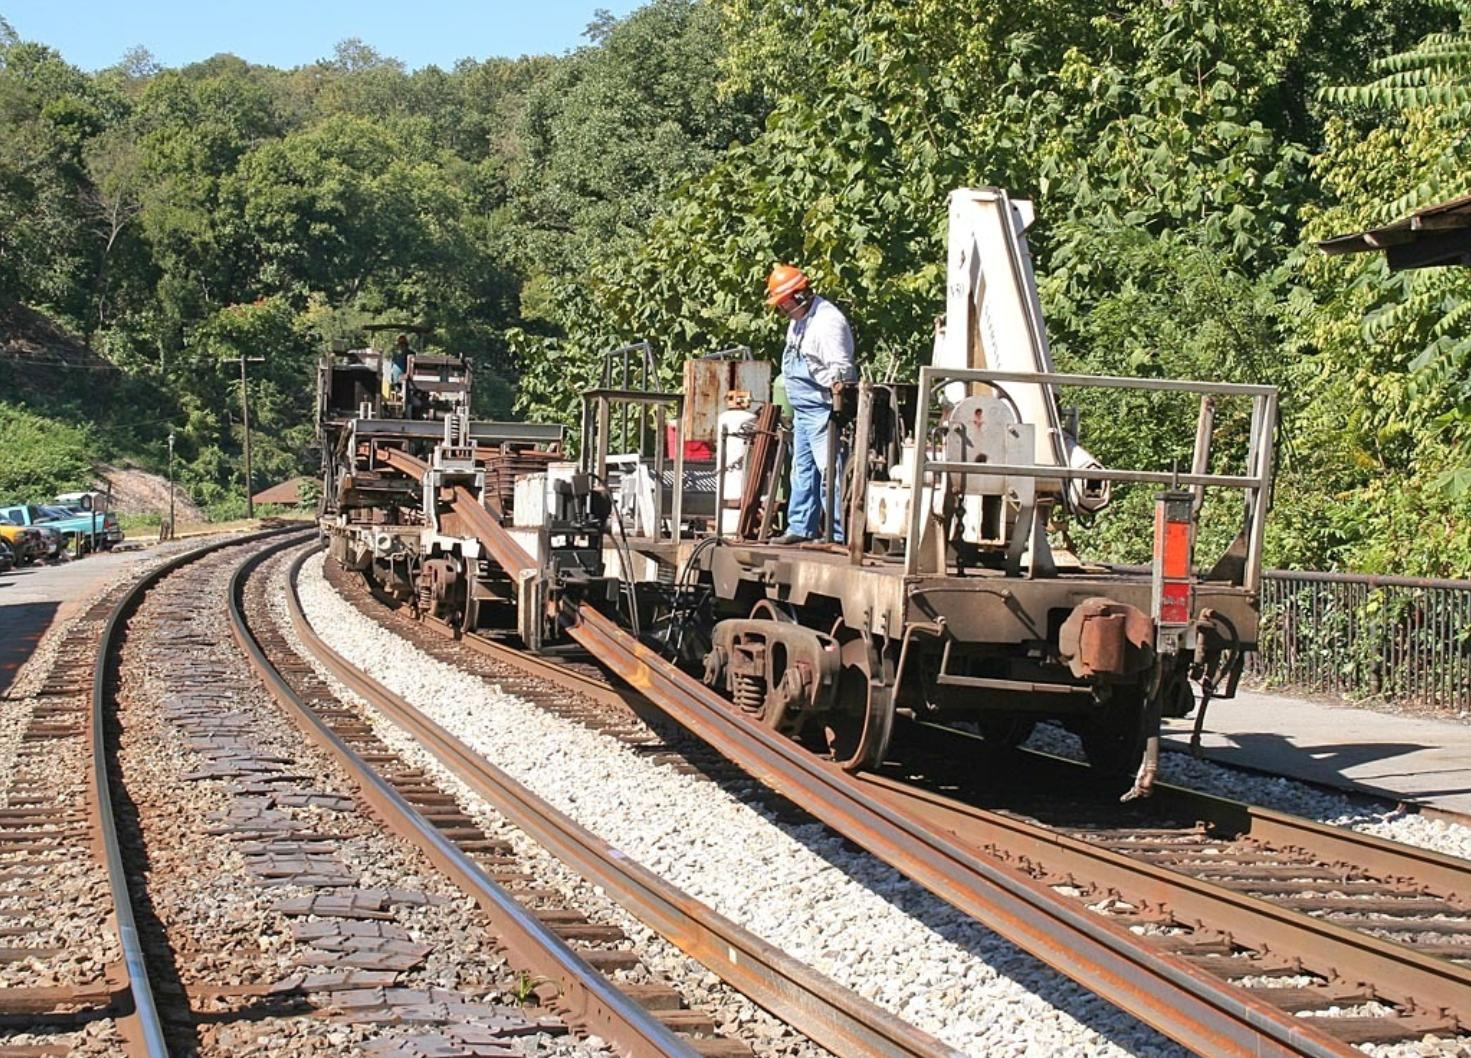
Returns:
(660,962)
(798,886)
(242,818)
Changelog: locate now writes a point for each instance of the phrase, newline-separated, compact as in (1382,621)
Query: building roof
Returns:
(1435,236)
(287,492)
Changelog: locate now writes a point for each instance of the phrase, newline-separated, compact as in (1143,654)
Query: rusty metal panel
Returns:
(706,382)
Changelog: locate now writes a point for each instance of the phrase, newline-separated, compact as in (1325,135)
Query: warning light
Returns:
(1174,539)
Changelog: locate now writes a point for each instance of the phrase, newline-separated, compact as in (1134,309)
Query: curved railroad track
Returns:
(1238,930)
(49,816)
(244,912)
(813,1005)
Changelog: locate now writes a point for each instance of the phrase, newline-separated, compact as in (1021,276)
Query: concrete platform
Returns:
(1411,759)
(34,598)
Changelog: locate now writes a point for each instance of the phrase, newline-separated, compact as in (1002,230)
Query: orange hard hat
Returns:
(784,281)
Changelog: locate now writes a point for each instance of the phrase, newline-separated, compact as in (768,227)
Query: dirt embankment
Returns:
(137,491)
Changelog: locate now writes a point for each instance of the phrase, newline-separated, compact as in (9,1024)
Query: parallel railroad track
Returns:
(824,1012)
(1293,937)
(164,994)
(48,819)
(539,938)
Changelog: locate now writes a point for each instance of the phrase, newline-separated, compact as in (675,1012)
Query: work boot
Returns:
(791,538)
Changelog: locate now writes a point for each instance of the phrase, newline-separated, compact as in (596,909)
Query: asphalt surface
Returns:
(1408,758)
(33,598)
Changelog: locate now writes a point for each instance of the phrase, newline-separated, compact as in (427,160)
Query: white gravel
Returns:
(798,886)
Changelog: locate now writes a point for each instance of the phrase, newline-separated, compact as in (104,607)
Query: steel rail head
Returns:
(1448,876)
(588,996)
(827,1013)
(1408,977)
(145,1015)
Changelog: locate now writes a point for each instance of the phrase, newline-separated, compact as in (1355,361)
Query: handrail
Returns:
(1256,482)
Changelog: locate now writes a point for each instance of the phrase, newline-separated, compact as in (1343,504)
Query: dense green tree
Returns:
(43,456)
(50,112)
(1391,439)
(535,211)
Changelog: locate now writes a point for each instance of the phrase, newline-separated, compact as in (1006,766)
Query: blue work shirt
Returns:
(819,352)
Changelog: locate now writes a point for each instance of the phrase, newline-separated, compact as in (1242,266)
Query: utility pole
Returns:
(245,415)
(171,484)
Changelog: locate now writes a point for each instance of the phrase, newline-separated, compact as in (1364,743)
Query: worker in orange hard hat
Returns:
(817,366)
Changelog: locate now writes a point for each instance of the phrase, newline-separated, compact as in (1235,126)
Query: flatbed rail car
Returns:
(985,621)
(373,516)
(949,600)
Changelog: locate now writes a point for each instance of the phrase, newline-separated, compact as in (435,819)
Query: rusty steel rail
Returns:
(142,1026)
(588,997)
(1189,1005)
(1411,978)
(825,1012)
(1447,876)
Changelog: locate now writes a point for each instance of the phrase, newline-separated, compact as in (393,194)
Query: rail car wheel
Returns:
(1007,732)
(1113,740)
(859,729)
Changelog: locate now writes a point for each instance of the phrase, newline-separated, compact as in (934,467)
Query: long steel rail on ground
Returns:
(1430,983)
(1181,1000)
(142,1026)
(588,997)
(809,1002)
(1446,876)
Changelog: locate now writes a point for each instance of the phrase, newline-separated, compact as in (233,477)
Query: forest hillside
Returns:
(157,224)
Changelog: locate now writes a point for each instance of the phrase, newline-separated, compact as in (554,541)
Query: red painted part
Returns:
(697,451)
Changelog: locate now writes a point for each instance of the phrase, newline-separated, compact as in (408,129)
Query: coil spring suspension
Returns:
(750,694)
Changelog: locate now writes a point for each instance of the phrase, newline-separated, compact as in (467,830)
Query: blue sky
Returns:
(95,33)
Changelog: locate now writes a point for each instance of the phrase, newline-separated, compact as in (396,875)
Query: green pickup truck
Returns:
(96,530)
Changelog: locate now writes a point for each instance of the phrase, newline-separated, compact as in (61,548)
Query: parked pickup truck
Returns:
(92,527)
(28,544)
(92,501)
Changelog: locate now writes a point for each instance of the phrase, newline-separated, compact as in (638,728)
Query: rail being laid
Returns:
(829,1014)
(590,998)
(1198,1009)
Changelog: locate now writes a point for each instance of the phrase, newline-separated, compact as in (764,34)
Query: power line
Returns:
(59,363)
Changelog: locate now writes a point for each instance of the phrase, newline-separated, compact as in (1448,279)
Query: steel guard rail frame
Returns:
(1256,482)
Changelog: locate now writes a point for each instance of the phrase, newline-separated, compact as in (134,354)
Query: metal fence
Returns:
(1399,638)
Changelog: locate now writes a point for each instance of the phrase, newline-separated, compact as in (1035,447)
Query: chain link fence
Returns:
(1396,638)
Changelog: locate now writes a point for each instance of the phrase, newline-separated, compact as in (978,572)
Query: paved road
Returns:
(36,597)
(1404,757)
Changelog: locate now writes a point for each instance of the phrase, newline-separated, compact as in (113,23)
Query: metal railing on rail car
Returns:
(1254,481)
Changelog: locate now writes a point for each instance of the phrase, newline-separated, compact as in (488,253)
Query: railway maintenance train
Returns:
(952,598)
